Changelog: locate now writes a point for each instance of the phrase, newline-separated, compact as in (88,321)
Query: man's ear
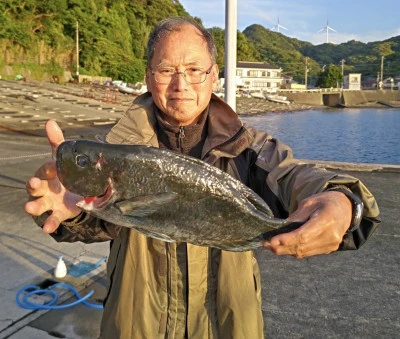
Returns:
(148,79)
(215,77)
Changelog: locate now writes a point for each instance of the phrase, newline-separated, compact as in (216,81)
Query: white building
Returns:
(352,81)
(259,76)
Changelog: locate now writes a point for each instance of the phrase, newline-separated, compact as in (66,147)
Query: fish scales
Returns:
(166,195)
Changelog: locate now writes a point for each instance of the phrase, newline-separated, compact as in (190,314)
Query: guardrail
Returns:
(328,90)
(315,90)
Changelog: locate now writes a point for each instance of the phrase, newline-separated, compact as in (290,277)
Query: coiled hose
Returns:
(24,293)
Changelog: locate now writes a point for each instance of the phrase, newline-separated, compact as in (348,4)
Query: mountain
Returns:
(359,57)
(289,54)
(280,50)
(39,38)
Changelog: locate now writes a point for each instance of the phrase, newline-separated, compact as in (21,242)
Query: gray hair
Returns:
(174,24)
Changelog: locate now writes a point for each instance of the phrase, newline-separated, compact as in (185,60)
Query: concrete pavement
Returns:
(346,294)
(28,256)
(352,294)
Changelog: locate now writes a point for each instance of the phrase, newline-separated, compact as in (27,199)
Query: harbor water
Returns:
(365,135)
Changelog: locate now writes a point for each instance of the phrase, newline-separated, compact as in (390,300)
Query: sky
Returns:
(359,20)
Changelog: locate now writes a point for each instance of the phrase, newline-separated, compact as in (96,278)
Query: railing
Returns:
(332,90)
(315,90)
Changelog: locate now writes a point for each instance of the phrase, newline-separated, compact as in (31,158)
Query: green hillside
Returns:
(365,58)
(38,37)
(289,54)
(282,51)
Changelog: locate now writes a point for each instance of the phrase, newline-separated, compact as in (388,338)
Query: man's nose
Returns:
(179,80)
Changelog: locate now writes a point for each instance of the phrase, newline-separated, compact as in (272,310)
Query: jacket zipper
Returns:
(181,136)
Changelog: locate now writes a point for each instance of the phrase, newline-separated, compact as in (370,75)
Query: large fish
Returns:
(166,195)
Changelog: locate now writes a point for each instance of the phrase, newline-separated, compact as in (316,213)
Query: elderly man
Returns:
(178,290)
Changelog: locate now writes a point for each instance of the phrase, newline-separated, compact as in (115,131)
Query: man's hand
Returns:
(327,217)
(47,191)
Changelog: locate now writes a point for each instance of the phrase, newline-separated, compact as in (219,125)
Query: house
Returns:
(259,76)
(352,81)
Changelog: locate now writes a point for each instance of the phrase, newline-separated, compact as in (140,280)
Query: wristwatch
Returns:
(357,204)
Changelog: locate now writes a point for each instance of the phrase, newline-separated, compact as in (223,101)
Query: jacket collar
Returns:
(226,134)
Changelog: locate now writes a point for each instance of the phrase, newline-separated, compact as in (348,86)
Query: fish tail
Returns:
(285,227)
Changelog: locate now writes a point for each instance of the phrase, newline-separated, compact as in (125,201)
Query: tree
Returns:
(245,48)
(113,36)
(331,77)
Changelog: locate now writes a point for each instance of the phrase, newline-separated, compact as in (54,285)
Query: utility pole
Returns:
(343,61)
(305,73)
(230,52)
(377,81)
(341,85)
(382,69)
(77,50)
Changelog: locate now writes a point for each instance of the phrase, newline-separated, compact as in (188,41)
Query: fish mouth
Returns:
(97,202)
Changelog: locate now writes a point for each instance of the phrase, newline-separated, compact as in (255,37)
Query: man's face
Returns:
(181,103)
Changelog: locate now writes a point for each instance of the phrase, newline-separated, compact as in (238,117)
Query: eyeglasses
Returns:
(192,75)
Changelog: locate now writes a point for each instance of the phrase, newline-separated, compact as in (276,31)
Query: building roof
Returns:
(258,65)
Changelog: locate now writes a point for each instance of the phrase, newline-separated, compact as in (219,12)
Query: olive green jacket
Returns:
(169,290)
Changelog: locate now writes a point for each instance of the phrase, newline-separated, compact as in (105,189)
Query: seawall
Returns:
(345,97)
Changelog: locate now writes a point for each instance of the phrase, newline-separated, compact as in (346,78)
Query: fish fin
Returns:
(237,246)
(144,205)
(252,244)
(154,235)
(195,161)
(286,228)
(259,204)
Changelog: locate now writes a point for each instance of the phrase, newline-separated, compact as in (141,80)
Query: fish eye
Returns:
(82,160)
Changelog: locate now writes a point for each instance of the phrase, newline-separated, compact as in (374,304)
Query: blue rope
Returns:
(31,290)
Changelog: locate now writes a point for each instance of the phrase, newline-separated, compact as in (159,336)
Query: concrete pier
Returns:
(345,98)
(345,294)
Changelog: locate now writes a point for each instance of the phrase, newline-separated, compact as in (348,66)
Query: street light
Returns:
(77,50)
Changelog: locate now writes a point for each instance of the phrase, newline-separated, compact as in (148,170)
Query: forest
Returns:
(40,36)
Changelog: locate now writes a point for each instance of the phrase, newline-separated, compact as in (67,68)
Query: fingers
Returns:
(310,239)
(52,222)
(42,189)
(328,216)
(46,192)
(47,171)
(38,206)
(54,135)
(38,185)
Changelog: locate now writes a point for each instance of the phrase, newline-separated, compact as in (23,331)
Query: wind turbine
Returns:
(326,28)
(279,26)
